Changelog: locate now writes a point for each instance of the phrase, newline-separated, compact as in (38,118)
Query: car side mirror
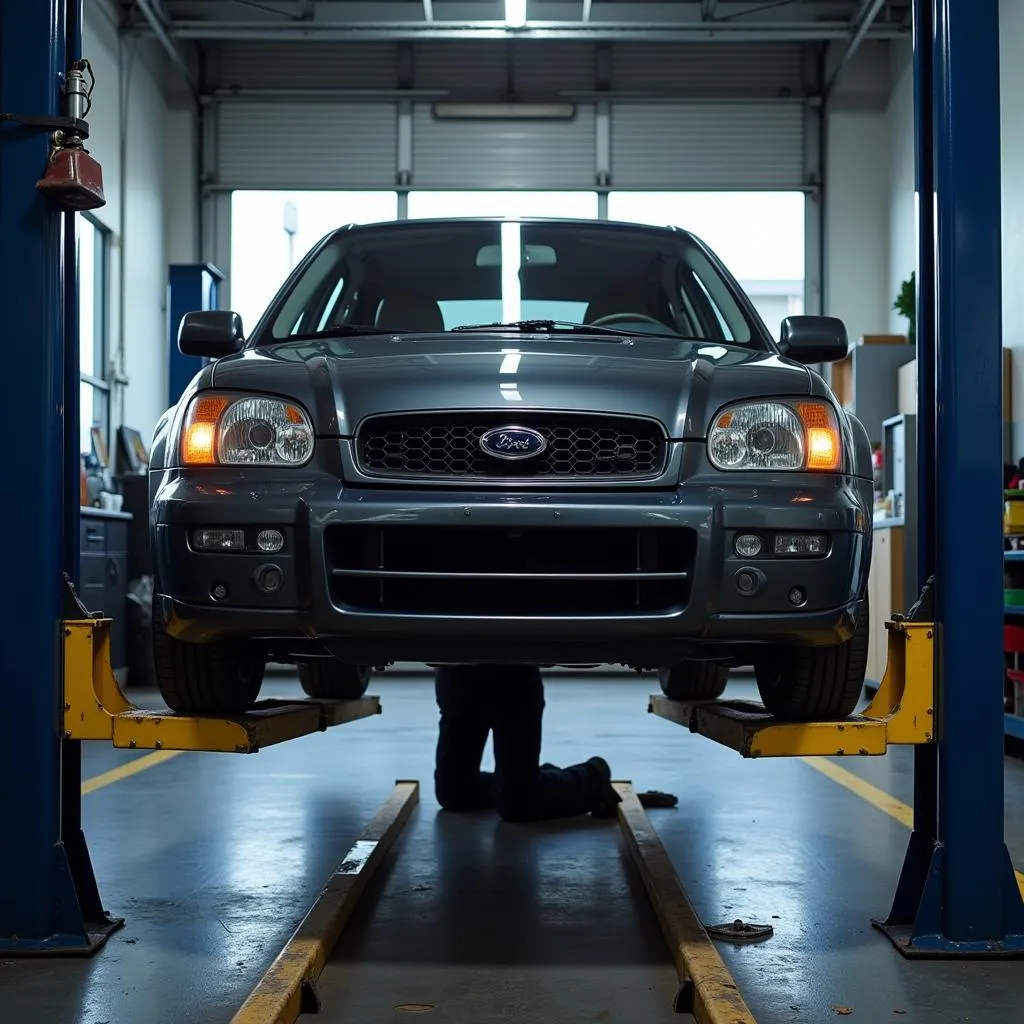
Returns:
(814,339)
(210,333)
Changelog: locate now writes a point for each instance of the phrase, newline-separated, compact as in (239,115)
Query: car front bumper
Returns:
(634,577)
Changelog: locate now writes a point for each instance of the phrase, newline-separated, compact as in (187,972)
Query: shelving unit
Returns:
(1013,724)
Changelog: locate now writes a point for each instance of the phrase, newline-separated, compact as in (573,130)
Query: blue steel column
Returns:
(970,903)
(40,909)
(980,900)
(926,765)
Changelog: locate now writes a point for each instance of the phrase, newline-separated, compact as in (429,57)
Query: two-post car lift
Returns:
(943,688)
(957,894)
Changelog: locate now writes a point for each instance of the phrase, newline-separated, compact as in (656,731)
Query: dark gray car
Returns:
(554,442)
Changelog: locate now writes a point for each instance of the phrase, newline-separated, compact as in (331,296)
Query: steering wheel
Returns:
(621,318)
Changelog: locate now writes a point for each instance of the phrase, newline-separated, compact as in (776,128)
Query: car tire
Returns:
(816,683)
(694,680)
(205,679)
(327,679)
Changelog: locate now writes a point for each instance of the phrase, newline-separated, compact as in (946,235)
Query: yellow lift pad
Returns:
(95,708)
(902,711)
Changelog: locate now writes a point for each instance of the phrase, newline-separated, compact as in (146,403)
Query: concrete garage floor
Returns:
(214,859)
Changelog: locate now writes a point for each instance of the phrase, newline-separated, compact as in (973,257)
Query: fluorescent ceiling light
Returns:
(515,13)
(505,111)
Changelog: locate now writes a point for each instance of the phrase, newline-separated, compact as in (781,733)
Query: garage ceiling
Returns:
(689,94)
(409,20)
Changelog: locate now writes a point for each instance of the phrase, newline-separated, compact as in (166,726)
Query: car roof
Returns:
(590,223)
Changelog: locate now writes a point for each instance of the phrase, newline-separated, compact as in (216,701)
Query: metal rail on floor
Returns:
(706,988)
(95,708)
(902,712)
(288,989)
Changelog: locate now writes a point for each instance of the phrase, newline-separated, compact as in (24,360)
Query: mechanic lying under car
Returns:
(475,700)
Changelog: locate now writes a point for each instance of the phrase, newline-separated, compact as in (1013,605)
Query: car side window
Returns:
(723,325)
(329,316)
(301,310)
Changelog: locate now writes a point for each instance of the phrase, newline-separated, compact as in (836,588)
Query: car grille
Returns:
(448,446)
(531,571)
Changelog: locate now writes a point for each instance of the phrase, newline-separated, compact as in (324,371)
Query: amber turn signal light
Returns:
(824,450)
(199,438)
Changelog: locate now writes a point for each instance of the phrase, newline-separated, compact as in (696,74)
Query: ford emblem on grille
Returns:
(513,443)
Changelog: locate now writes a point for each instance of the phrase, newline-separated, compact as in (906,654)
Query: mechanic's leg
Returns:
(525,790)
(463,701)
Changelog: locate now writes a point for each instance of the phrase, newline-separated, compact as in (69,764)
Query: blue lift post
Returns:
(49,903)
(958,894)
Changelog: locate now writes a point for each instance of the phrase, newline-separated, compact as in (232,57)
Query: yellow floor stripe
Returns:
(897,809)
(124,771)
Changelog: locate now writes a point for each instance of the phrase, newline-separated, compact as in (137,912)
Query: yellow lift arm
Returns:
(95,707)
(901,712)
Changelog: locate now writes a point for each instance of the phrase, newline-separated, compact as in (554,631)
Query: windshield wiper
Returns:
(341,331)
(545,326)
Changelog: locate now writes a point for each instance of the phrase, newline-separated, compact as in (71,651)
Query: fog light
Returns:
(797,596)
(801,544)
(746,582)
(270,541)
(748,545)
(218,540)
(269,579)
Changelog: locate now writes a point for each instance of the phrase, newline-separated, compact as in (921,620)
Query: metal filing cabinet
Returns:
(103,573)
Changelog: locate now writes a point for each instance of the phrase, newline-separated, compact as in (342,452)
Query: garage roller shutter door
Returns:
(708,146)
(316,145)
(503,154)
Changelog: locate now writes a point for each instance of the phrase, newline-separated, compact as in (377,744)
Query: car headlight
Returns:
(226,430)
(779,435)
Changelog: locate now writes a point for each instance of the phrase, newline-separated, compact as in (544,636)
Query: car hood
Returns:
(679,383)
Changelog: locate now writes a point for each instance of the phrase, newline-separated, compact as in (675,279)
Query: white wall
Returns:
(149,188)
(902,226)
(1011,14)
(856,279)
(902,206)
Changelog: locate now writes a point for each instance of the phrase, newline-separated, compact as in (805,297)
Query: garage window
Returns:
(502,204)
(759,236)
(93,323)
(272,230)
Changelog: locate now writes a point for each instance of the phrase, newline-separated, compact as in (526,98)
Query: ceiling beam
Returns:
(653,32)
(862,24)
(153,12)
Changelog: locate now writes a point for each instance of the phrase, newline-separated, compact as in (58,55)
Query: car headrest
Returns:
(410,313)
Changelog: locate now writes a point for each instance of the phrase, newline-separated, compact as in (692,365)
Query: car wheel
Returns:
(823,683)
(205,679)
(328,679)
(694,680)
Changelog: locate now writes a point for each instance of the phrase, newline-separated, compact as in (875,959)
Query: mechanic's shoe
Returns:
(609,802)
(655,798)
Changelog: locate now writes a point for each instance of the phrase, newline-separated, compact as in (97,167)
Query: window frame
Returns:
(99,383)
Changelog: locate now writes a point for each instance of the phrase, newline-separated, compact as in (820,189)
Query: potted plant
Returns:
(906,304)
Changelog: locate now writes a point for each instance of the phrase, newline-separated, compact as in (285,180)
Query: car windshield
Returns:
(428,277)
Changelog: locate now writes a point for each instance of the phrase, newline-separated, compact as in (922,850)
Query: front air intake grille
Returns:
(491,570)
(579,446)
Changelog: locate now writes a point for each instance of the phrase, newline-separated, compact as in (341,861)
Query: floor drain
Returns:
(740,931)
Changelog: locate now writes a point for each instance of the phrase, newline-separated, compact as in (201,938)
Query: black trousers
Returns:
(475,700)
